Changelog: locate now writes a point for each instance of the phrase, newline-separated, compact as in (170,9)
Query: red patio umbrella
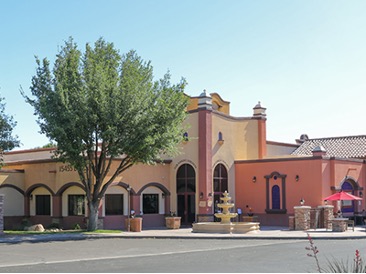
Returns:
(342,196)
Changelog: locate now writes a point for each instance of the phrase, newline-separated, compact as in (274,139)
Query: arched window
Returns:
(276,201)
(276,193)
(186,178)
(220,182)
(347,206)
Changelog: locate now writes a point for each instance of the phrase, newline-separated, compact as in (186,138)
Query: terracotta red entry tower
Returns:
(204,156)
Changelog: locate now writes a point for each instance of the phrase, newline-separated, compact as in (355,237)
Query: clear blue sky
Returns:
(304,60)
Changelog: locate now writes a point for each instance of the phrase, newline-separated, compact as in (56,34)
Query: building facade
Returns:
(219,152)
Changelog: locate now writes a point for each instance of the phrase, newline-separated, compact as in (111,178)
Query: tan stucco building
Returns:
(221,152)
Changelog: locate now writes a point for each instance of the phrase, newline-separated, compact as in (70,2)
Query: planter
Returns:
(135,224)
(172,222)
(250,218)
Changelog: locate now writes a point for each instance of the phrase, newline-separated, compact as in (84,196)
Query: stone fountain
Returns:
(226,215)
(225,226)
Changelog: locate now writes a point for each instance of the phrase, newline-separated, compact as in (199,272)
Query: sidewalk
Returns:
(280,233)
(264,233)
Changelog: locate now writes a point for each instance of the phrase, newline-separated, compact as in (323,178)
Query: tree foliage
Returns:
(8,141)
(100,106)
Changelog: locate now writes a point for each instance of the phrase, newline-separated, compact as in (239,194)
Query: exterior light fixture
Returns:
(326,202)
(201,195)
(210,194)
(163,195)
(254,179)
(302,201)
(31,197)
(297,178)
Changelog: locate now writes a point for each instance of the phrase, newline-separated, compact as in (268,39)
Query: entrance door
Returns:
(186,208)
(186,192)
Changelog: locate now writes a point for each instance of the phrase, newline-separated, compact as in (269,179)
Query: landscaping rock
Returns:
(37,227)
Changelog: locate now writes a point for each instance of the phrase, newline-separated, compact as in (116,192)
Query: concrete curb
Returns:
(186,233)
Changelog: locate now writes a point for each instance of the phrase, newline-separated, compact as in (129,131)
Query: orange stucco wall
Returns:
(317,176)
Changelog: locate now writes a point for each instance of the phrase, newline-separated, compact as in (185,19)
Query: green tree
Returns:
(7,124)
(102,107)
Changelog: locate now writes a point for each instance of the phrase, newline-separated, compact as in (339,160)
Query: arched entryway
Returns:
(220,183)
(348,206)
(186,193)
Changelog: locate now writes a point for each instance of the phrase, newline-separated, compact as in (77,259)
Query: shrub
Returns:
(53,226)
(25,223)
(336,265)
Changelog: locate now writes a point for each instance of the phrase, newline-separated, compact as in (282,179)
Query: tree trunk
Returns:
(93,216)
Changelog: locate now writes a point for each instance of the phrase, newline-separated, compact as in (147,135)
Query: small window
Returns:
(76,205)
(43,205)
(220,136)
(150,203)
(276,197)
(185,137)
(114,204)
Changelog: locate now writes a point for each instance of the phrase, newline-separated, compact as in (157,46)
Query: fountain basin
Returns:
(234,227)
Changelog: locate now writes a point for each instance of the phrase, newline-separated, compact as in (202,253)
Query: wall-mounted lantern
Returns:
(297,178)
(254,179)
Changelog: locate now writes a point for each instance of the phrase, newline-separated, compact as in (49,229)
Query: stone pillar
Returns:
(328,216)
(291,222)
(302,217)
(2,213)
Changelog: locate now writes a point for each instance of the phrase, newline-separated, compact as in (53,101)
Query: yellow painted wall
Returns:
(240,137)
(239,143)
(223,106)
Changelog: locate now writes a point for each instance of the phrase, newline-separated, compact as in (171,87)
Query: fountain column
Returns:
(226,215)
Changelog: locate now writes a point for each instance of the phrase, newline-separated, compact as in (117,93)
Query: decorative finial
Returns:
(204,93)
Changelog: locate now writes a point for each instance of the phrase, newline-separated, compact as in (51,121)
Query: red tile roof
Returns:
(342,147)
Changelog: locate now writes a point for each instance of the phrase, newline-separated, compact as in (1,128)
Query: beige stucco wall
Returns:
(12,178)
(240,142)
(13,202)
(279,149)
(188,155)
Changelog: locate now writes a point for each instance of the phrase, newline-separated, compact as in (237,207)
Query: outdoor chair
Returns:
(351,223)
